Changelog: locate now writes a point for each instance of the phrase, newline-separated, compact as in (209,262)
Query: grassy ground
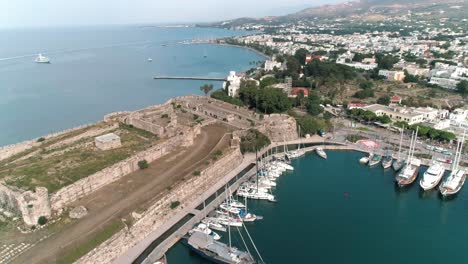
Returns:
(64,165)
(80,250)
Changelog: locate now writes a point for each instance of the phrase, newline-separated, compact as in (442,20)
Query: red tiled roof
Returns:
(296,90)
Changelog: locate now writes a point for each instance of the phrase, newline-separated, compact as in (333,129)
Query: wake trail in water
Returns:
(81,49)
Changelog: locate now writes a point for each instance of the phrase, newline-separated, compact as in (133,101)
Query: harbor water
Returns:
(98,70)
(340,211)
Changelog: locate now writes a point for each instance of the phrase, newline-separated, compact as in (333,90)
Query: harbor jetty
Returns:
(192,78)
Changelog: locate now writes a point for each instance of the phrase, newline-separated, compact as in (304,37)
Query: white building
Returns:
(396,113)
(445,82)
(392,75)
(107,141)
(271,64)
(233,84)
(459,117)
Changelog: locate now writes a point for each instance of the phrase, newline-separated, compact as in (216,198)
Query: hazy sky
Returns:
(43,13)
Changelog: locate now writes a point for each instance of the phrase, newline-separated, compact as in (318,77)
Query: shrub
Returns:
(196,173)
(174,204)
(41,139)
(164,116)
(143,164)
(42,220)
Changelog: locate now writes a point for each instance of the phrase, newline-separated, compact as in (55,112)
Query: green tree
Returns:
(313,104)
(143,164)
(206,88)
(311,125)
(410,78)
(300,55)
(268,81)
(253,140)
(42,220)
(384,100)
(385,119)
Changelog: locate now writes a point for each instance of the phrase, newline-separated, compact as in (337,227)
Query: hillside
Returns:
(364,9)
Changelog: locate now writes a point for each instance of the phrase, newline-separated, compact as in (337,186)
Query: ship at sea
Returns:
(42,59)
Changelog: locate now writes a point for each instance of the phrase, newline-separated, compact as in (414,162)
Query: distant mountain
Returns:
(357,9)
(370,7)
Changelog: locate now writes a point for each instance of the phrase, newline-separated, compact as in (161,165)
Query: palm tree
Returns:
(206,88)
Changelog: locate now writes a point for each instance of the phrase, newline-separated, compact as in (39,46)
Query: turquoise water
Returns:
(95,71)
(338,211)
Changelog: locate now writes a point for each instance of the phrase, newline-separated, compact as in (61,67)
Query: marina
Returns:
(262,194)
(351,214)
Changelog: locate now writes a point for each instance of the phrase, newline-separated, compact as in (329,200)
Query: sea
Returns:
(338,211)
(98,70)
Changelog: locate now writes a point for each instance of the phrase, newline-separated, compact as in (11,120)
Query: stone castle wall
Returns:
(159,213)
(279,127)
(110,174)
(29,205)
(11,150)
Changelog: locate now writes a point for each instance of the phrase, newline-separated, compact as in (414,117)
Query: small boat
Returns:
(162,260)
(203,228)
(398,164)
(321,152)
(453,184)
(374,160)
(213,224)
(229,221)
(387,161)
(42,59)
(246,216)
(205,246)
(364,160)
(150,59)
(432,176)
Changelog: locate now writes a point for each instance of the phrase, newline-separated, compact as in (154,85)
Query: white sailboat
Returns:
(398,163)
(321,153)
(410,170)
(453,184)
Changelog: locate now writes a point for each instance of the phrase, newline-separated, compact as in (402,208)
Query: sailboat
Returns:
(398,163)
(321,153)
(387,160)
(410,171)
(453,184)
(298,152)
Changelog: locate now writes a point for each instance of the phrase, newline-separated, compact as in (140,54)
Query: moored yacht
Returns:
(456,180)
(387,161)
(374,160)
(205,246)
(410,170)
(432,176)
(321,152)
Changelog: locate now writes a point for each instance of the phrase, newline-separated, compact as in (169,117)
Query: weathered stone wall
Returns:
(108,175)
(29,205)
(160,212)
(11,150)
(279,127)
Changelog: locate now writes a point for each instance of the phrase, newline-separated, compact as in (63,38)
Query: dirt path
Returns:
(119,199)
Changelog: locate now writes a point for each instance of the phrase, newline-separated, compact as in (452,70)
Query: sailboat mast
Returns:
(401,141)
(414,142)
(256,164)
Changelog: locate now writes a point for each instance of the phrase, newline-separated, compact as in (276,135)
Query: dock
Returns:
(155,245)
(191,78)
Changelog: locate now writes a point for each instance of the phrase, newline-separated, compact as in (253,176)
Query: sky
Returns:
(57,13)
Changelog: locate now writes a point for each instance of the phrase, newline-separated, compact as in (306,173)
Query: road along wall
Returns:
(111,174)
(159,214)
